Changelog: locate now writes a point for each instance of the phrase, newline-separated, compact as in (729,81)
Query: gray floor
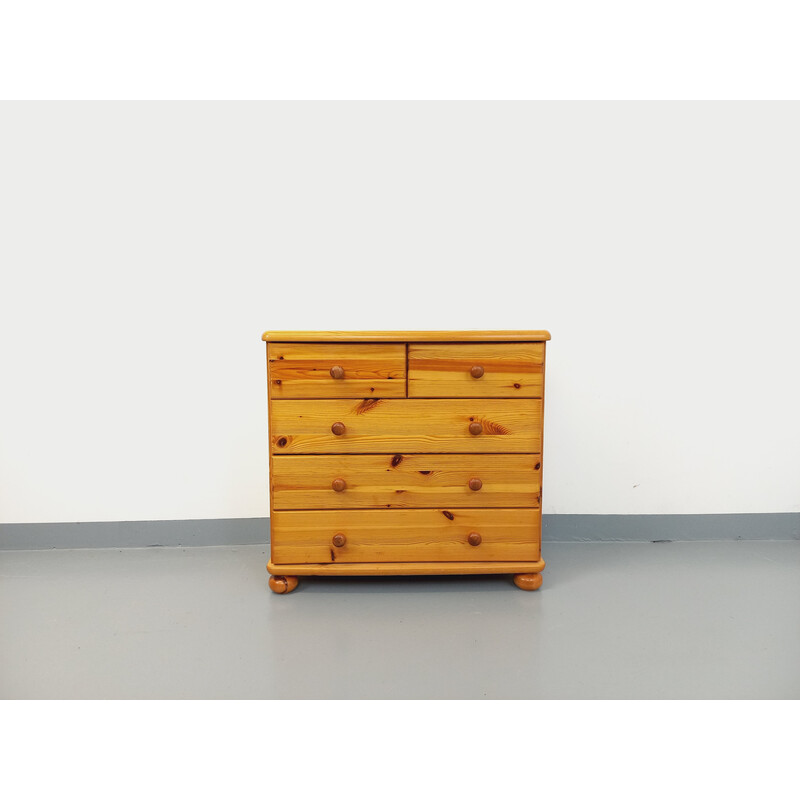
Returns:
(615,620)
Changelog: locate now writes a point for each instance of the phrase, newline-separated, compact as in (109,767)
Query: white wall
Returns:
(144,248)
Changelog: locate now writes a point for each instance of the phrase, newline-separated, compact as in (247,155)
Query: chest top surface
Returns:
(406,336)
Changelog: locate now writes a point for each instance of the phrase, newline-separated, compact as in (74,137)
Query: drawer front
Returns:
(406,481)
(476,370)
(406,426)
(309,537)
(337,370)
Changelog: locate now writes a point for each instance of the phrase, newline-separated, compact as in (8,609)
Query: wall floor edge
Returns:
(247,531)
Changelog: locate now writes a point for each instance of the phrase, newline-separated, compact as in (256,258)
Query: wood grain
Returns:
(446,370)
(411,458)
(414,568)
(304,370)
(405,481)
(302,537)
(406,426)
(405,336)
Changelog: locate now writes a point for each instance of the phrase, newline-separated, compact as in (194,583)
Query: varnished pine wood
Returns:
(337,370)
(405,336)
(405,481)
(407,568)
(406,426)
(541,437)
(303,537)
(529,581)
(269,423)
(476,370)
(407,548)
(282,584)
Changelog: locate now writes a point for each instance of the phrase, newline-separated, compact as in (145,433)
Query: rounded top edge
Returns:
(406,336)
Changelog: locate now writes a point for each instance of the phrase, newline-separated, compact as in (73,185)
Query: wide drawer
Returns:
(311,537)
(406,481)
(476,370)
(406,426)
(337,370)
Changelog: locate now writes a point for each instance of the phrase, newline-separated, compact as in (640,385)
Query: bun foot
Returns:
(282,584)
(530,581)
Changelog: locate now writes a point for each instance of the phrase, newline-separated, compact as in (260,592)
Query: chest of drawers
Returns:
(405,453)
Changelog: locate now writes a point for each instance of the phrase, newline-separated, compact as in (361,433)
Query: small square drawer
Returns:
(476,370)
(313,370)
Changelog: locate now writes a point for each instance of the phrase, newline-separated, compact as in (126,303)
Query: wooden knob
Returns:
(338,485)
(475,428)
(476,372)
(339,540)
(475,484)
(337,372)
(338,428)
(474,538)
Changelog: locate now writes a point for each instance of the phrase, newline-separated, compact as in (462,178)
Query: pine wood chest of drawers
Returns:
(405,453)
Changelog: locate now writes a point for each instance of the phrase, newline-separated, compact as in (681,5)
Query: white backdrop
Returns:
(144,248)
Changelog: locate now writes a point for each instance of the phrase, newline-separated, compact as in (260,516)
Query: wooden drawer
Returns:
(502,370)
(364,370)
(406,426)
(307,537)
(406,481)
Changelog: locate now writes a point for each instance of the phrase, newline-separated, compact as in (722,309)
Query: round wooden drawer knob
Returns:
(337,372)
(475,428)
(476,372)
(338,428)
(475,484)
(339,540)
(338,485)
(474,539)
